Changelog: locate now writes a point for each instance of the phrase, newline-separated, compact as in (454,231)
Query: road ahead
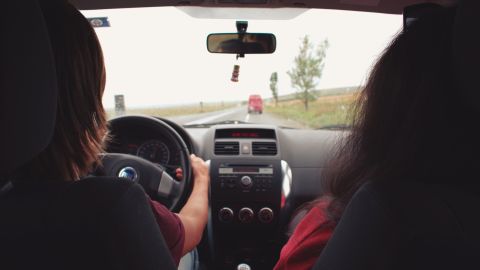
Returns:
(235,114)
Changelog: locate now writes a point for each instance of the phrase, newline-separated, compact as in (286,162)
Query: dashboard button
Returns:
(245,215)
(246,182)
(245,148)
(231,183)
(265,215)
(225,215)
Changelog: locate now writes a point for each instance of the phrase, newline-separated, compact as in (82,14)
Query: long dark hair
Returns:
(408,123)
(81,123)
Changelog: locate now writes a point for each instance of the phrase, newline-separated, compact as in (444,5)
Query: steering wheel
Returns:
(156,182)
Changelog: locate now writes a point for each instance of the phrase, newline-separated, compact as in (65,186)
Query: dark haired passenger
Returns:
(81,126)
(407,125)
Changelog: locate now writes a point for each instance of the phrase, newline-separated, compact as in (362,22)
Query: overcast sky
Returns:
(158,56)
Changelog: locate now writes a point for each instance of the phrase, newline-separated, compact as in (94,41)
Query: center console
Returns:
(247,191)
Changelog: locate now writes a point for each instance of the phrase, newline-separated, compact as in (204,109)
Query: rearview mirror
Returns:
(241,43)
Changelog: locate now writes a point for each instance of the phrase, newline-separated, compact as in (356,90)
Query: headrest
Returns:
(28,86)
(466,51)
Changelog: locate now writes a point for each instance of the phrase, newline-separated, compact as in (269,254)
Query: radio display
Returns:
(245,133)
(245,170)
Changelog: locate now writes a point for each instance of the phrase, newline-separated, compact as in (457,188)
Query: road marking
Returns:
(247,117)
(211,118)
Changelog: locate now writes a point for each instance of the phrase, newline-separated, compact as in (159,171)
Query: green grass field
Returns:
(175,111)
(325,111)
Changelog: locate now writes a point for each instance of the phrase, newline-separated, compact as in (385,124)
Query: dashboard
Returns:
(259,175)
(157,149)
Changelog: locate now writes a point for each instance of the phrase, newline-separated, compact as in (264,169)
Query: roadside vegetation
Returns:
(308,69)
(327,108)
(325,111)
(176,110)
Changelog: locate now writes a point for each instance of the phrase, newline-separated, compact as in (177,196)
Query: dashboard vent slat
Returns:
(264,148)
(227,148)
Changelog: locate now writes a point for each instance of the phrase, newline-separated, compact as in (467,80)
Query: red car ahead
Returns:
(255,104)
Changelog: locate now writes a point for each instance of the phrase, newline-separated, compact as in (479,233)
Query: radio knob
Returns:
(265,215)
(245,215)
(225,215)
(246,182)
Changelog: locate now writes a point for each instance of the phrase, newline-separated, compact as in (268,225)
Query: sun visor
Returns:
(28,84)
(466,51)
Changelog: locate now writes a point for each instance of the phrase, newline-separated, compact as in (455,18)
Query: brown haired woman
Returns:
(400,131)
(81,125)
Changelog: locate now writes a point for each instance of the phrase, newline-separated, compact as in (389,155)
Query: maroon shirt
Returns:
(172,229)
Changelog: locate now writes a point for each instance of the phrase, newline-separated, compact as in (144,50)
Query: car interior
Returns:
(260,173)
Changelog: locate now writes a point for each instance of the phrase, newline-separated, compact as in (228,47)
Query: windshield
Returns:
(158,64)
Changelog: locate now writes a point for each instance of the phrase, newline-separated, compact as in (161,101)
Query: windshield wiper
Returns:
(336,127)
(206,125)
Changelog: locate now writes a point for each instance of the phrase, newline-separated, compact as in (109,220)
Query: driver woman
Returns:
(81,129)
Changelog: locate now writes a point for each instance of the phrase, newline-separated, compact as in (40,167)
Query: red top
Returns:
(172,229)
(308,240)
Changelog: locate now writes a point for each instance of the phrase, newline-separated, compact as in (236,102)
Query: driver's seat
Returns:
(103,223)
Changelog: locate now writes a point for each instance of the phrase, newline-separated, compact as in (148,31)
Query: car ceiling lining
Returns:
(381,6)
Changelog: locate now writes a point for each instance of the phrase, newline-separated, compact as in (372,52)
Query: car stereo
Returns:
(244,194)
(246,198)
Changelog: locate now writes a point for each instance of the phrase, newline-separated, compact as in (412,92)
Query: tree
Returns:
(308,69)
(273,86)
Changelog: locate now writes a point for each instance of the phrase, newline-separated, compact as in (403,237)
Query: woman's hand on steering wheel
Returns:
(194,214)
(200,171)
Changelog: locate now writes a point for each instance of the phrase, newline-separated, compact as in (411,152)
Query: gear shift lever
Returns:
(243,266)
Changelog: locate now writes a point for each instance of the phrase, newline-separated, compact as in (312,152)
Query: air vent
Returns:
(227,148)
(264,148)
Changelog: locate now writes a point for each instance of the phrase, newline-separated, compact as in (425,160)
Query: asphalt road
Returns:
(235,114)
